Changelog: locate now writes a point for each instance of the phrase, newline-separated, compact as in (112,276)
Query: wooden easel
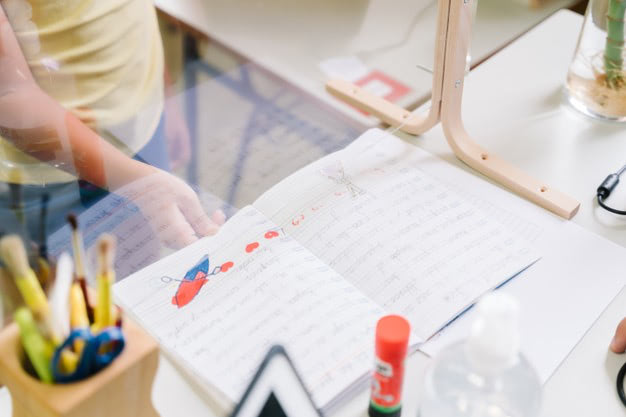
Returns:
(451,49)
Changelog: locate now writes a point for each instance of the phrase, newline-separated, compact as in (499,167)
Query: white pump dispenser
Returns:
(485,376)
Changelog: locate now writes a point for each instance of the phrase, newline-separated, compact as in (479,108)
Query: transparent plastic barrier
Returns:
(247,111)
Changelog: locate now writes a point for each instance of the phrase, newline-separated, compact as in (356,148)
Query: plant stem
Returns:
(613,54)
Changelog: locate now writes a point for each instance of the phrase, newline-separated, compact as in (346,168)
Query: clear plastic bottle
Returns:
(485,376)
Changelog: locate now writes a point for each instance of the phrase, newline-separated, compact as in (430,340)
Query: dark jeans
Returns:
(64,198)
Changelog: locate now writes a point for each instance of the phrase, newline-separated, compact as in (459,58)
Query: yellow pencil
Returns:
(105,279)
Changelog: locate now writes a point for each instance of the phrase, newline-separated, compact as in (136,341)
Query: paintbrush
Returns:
(44,272)
(14,256)
(60,296)
(104,311)
(15,191)
(79,263)
(43,217)
(10,298)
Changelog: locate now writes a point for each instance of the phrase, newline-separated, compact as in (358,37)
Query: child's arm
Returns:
(39,126)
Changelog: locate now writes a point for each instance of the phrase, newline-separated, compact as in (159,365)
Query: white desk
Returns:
(513,107)
(585,383)
(291,38)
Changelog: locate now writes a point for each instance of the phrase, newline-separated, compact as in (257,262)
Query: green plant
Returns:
(613,52)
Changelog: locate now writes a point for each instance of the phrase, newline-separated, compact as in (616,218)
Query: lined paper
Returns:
(407,240)
(278,292)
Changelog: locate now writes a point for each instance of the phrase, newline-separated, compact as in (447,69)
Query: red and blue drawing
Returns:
(199,274)
(194,280)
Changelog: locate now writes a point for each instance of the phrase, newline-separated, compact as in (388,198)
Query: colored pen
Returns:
(79,265)
(106,277)
(37,348)
(13,254)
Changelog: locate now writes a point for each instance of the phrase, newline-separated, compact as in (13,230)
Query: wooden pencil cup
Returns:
(124,389)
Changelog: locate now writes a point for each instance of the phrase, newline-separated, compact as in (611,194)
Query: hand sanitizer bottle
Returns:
(485,376)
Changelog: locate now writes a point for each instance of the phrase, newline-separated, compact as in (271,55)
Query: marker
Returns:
(79,259)
(37,348)
(392,341)
(14,256)
(104,316)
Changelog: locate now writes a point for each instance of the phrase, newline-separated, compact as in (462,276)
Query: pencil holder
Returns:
(124,389)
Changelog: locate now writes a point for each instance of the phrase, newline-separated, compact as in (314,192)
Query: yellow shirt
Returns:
(100,59)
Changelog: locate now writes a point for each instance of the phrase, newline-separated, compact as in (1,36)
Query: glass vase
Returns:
(596,81)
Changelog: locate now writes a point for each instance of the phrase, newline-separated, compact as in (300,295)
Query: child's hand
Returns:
(172,208)
(618,345)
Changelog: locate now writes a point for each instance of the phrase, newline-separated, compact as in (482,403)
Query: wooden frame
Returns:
(451,49)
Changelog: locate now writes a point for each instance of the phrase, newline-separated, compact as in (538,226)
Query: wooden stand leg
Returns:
(464,147)
(453,37)
(124,389)
(390,113)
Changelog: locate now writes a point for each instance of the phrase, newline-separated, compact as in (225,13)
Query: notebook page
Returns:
(262,288)
(407,240)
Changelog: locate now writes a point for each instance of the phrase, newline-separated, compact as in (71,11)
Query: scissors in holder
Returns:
(97,353)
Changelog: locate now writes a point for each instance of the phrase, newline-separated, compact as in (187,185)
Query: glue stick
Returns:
(392,340)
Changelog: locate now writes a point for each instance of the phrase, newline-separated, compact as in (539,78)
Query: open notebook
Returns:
(316,260)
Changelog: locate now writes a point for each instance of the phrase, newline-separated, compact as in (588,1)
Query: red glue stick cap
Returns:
(392,336)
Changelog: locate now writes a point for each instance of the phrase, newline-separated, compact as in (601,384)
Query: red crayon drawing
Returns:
(251,247)
(271,234)
(225,267)
(297,221)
